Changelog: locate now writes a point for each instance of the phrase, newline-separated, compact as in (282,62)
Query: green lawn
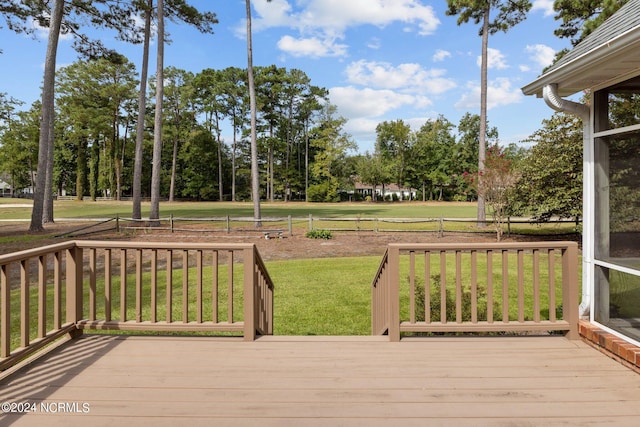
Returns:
(88,209)
(362,216)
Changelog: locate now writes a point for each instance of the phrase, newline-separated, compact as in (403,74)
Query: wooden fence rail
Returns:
(284,226)
(134,286)
(507,287)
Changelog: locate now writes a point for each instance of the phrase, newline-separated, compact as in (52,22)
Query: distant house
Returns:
(607,65)
(5,189)
(401,193)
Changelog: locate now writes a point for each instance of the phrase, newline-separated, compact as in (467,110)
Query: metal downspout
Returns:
(557,103)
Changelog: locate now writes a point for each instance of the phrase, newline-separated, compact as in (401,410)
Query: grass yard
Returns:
(363,216)
(88,209)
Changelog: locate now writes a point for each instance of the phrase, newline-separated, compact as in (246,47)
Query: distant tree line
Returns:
(304,153)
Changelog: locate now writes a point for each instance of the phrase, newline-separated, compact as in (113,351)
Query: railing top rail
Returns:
(30,253)
(262,267)
(498,246)
(110,244)
(385,257)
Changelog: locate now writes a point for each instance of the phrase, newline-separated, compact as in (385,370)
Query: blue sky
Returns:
(379,59)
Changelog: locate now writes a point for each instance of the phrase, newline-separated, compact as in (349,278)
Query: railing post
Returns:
(228,225)
(570,289)
(5,315)
(290,223)
(249,260)
(310,222)
(394,293)
(74,284)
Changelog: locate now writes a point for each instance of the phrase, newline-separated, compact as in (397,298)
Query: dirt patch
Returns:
(15,237)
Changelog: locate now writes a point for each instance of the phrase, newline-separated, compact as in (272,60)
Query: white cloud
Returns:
(541,54)
(546,6)
(322,14)
(495,60)
(524,68)
(374,43)
(410,77)
(353,102)
(277,13)
(499,93)
(441,55)
(317,19)
(311,47)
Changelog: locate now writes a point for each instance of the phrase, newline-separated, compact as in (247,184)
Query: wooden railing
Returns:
(494,287)
(133,286)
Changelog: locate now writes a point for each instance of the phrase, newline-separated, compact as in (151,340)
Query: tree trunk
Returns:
(174,162)
(271,173)
(233,162)
(481,217)
(142,101)
(255,179)
(81,168)
(306,161)
(46,117)
(157,127)
(47,213)
(219,144)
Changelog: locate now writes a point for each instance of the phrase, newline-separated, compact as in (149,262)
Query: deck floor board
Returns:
(326,381)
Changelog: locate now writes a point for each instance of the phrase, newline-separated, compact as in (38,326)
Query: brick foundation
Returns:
(611,345)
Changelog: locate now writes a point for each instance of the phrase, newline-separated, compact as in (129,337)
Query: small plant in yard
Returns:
(319,234)
(451,303)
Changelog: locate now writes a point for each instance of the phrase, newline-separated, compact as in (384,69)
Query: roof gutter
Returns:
(571,70)
(557,103)
(553,100)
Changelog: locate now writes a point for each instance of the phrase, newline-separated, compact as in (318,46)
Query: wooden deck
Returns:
(325,381)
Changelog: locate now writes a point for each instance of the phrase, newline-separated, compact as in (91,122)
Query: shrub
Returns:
(319,234)
(451,303)
(326,191)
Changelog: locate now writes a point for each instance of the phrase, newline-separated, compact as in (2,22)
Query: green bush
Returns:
(319,234)
(326,191)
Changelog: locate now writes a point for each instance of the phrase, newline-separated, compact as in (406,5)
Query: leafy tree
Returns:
(179,115)
(431,155)
(235,104)
(551,183)
(213,88)
(393,142)
(176,10)
(269,87)
(580,17)
(509,14)
(373,170)
(19,145)
(199,178)
(498,182)
(467,148)
(16,16)
(332,145)
(94,97)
